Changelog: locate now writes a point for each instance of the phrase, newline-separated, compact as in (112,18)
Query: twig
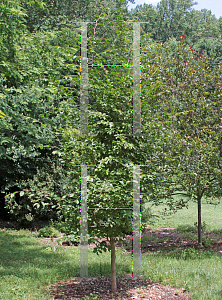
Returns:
(94,32)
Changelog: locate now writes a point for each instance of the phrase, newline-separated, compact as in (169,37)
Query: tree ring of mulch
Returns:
(127,288)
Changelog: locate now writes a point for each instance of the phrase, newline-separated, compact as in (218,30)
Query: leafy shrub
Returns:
(208,242)
(23,210)
(48,231)
(69,240)
(35,199)
(143,227)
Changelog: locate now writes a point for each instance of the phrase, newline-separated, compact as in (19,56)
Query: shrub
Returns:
(48,231)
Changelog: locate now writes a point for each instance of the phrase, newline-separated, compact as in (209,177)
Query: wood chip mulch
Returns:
(127,288)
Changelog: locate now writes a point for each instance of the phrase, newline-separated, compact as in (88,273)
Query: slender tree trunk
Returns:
(199,221)
(113,265)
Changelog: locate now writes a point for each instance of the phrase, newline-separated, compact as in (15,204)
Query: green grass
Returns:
(200,275)
(28,267)
(211,215)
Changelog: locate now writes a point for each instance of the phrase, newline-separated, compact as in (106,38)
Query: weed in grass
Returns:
(190,253)
(203,225)
(186,228)
(217,231)
(190,235)
(150,238)
(208,242)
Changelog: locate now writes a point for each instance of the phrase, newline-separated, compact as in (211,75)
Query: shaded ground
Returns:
(165,240)
(15,225)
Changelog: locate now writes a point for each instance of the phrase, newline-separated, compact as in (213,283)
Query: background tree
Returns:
(43,76)
(172,18)
(173,21)
(54,15)
(189,110)
(204,26)
(168,19)
(11,28)
(147,13)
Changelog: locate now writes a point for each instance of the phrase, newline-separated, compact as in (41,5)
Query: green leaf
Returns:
(2,115)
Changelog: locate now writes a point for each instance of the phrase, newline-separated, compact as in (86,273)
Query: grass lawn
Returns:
(211,215)
(27,267)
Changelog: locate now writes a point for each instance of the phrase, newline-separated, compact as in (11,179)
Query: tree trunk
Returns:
(113,265)
(199,221)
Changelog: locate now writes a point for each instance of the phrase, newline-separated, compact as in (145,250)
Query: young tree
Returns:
(189,109)
(112,150)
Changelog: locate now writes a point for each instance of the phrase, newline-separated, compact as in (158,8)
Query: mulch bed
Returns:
(127,288)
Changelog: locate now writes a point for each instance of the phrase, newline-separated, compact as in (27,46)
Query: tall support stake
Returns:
(83,225)
(84,81)
(136,80)
(136,221)
(84,130)
(136,132)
